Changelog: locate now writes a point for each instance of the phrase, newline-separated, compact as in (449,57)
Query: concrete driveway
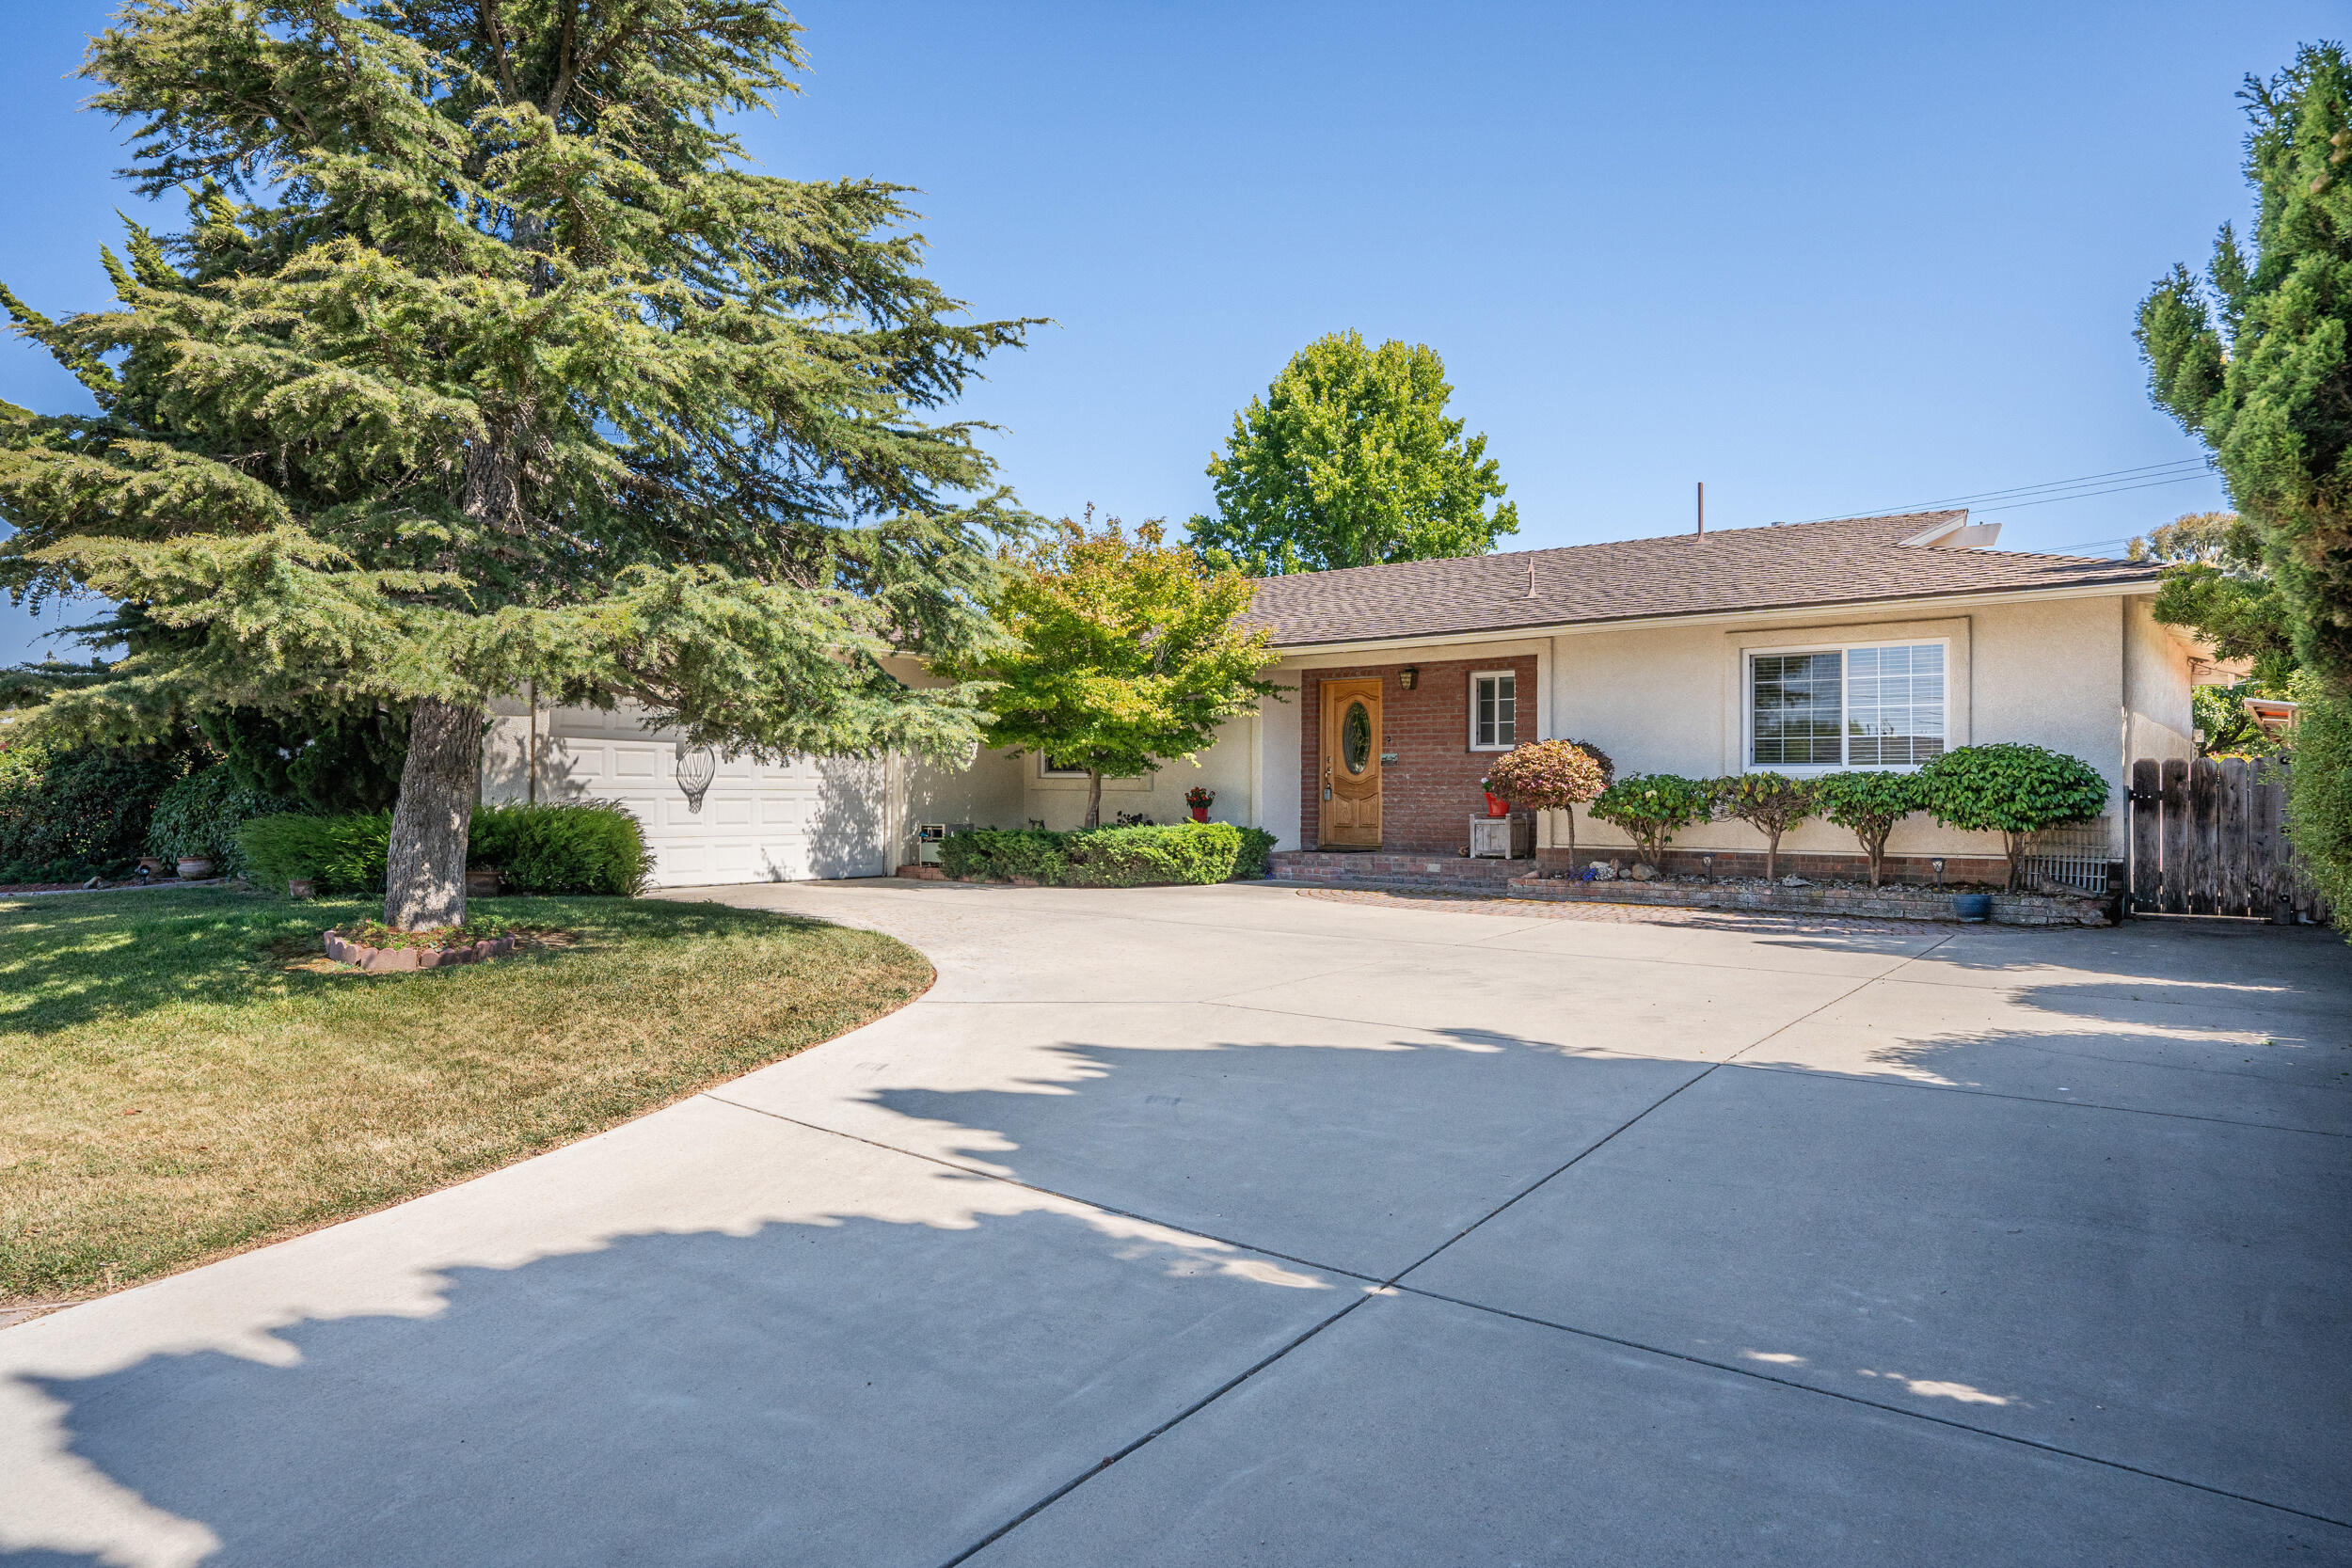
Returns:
(1238,1226)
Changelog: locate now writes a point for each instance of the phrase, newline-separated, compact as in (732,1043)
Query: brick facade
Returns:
(1430,792)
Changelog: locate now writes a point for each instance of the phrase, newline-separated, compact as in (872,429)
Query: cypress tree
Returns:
(483,358)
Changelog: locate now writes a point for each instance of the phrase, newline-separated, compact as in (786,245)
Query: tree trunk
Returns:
(1771,856)
(425,878)
(2014,844)
(1094,796)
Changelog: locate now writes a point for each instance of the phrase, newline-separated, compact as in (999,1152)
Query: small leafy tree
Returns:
(1771,803)
(1349,460)
(1550,775)
(1120,653)
(1867,804)
(1653,807)
(2011,788)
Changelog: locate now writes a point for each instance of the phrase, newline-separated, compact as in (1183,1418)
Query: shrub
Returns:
(1771,803)
(1868,804)
(341,854)
(1256,861)
(65,816)
(2013,789)
(593,847)
(1653,807)
(2319,797)
(200,817)
(1105,857)
(1551,775)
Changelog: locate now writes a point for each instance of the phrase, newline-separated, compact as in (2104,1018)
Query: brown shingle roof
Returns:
(1852,561)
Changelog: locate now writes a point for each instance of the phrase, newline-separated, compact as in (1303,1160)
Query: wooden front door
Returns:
(1351,764)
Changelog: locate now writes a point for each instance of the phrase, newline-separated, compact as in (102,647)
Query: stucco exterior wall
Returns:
(2157,683)
(1227,766)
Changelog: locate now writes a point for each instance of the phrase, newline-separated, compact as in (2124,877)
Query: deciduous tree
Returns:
(1349,460)
(483,358)
(1120,653)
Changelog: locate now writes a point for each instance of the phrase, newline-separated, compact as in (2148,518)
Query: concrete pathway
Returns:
(1235,1226)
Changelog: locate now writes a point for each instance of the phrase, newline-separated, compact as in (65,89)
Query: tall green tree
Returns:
(2255,359)
(1121,654)
(483,358)
(1349,460)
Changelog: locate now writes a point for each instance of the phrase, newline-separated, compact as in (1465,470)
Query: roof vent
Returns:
(1957,535)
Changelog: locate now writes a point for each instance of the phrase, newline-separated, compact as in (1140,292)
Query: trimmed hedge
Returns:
(1190,852)
(341,854)
(595,848)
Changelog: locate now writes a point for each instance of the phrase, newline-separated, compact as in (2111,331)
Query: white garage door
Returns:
(811,817)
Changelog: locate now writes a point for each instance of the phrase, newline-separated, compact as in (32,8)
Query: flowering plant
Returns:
(1200,797)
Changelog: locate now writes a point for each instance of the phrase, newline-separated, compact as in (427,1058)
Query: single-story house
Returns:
(1803,648)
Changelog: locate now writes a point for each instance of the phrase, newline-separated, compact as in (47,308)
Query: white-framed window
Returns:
(1053,767)
(1862,704)
(1494,710)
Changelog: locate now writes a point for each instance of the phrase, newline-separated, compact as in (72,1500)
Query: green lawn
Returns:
(175,1084)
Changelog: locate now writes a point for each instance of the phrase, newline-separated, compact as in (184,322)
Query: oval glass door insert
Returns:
(1355,738)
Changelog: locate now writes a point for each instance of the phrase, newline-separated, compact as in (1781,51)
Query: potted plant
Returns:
(1200,798)
(1497,804)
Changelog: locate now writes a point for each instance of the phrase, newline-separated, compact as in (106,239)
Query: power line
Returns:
(2111,490)
(2079,488)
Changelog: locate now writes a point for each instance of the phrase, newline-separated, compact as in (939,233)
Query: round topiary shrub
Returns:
(1867,804)
(1653,807)
(1551,775)
(2013,789)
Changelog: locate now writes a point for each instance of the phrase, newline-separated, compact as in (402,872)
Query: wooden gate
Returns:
(2209,837)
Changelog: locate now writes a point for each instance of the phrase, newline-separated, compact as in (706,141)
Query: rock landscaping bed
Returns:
(1797,896)
(1511,908)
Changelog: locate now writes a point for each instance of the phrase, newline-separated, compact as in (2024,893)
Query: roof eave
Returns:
(2103,588)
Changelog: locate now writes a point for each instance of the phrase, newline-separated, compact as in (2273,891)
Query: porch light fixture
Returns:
(1408,677)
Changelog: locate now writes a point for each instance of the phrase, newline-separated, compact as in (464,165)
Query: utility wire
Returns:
(2082,487)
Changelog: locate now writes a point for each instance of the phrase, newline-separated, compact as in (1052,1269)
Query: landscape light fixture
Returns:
(1938,864)
(1408,677)
(1709,862)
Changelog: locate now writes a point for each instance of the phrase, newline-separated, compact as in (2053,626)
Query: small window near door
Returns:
(1494,711)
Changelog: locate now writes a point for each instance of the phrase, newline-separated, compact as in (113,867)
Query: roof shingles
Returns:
(1851,560)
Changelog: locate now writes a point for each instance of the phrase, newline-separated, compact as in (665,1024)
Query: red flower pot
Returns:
(1200,814)
(1497,806)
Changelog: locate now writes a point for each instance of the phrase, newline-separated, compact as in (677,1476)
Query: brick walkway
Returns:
(1623,914)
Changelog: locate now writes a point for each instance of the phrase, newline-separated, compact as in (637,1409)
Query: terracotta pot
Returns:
(195,868)
(1200,814)
(1497,806)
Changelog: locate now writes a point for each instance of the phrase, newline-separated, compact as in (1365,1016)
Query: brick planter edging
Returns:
(389,960)
(1882,903)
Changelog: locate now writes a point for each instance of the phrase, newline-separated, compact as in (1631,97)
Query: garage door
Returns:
(707,817)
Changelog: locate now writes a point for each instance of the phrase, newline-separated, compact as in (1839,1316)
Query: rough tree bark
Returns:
(425,878)
(1094,796)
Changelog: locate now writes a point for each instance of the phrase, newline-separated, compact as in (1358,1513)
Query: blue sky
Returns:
(1828,259)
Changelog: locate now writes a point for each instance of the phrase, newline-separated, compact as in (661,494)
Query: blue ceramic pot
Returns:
(1973,906)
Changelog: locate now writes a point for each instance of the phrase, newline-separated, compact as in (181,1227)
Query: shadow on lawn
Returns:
(70,961)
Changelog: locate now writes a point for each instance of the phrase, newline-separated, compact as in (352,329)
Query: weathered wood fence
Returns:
(2209,837)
